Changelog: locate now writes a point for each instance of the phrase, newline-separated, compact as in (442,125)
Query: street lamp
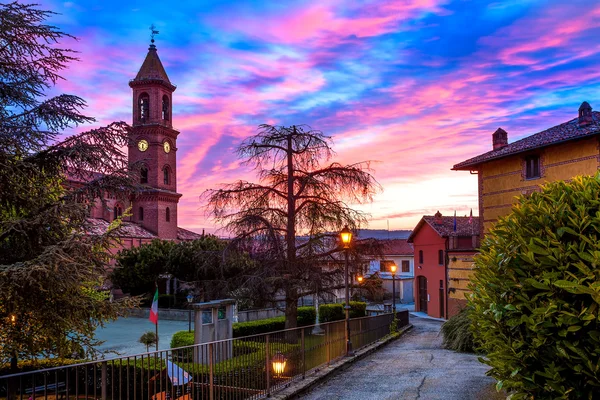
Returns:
(359,279)
(279,362)
(393,269)
(189,299)
(346,238)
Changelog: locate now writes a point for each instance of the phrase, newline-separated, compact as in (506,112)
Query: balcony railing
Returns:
(243,368)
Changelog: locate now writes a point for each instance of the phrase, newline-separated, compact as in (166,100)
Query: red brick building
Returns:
(153,143)
(434,239)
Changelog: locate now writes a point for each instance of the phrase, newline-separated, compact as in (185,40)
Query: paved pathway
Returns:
(412,367)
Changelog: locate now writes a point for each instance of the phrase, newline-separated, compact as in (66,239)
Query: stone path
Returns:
(412,367)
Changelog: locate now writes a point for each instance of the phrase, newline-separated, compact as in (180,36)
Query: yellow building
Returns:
(511,170)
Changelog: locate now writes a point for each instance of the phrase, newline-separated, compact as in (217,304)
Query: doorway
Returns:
(422,282)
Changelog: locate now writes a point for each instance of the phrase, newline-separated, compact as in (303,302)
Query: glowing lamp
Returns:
(279,362)
(13,318)
(359,278)
(346,237)
(393,268)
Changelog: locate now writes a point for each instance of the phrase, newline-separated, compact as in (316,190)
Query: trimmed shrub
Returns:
(335,312)
(536,291)
(457,332)
(182,338)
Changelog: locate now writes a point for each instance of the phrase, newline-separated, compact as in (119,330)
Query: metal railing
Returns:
(243,368)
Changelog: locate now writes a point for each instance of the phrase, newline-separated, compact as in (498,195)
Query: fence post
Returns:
(303,349)
(104,381)
(328,343)
(211,383)
(267,367)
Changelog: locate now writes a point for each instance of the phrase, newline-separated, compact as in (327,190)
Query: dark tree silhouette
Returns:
(51,270)
(289,220)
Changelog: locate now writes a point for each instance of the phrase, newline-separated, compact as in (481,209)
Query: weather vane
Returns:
(154,32)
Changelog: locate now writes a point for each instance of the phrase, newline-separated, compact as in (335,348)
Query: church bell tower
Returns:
(153,145)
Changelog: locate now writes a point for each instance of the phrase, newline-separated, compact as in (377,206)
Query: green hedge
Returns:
(335,312)
(536,294)
(33,365)
(182,338)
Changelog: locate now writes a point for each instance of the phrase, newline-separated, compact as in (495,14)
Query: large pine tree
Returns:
(51,271)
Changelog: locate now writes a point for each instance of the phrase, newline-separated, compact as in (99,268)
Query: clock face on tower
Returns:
(166,147)
(143,145)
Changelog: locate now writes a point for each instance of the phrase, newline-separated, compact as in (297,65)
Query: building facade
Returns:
(152,151)
(400,253)
(435,239)
(510,170)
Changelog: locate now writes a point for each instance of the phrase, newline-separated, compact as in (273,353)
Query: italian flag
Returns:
(154,309)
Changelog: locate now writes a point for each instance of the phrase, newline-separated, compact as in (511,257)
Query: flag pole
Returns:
(156,327)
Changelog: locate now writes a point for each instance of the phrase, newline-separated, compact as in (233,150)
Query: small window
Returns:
(441,283)
(144,175)
(420,256)
(165,108)
(532,167)
(117,211)
(141,213)
(441,257)
(405,266)
(168,214)
(166,175)
(144,104)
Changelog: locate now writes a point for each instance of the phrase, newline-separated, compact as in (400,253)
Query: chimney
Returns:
(499,139)
(585,114)
(438,218)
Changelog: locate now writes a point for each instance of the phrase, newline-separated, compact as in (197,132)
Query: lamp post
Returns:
(346,238)
(393,269)
(189,299)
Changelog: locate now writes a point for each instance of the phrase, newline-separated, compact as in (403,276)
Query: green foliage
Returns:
(306,316)
(457,332)
(148,338)
(138,268)
(336,312)
(51,269)
(536,294)
(182,338)
(205,262)
(42,363)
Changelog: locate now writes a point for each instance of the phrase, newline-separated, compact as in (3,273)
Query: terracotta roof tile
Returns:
(557,134)
(184,234)
(97,226)
(152,68)
(446,228)
(397,247)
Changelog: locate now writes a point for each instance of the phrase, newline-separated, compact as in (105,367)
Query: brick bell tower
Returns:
(153,142)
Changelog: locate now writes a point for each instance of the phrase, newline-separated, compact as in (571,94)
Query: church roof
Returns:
(152,68)
(98,226)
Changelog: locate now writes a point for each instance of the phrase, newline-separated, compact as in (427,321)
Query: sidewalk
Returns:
(412,367)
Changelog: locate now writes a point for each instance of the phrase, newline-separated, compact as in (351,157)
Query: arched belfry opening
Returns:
(165,108)
(144,107)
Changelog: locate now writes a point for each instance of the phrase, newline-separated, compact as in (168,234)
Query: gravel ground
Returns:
(412,367)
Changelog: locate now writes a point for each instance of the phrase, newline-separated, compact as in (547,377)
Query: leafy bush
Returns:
(536,290)
(457,332)
(148,338)
(335,312)
(181,339)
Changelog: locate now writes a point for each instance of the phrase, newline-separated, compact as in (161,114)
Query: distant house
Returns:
(519,168)
(438,243)
(399,252)
(510,170)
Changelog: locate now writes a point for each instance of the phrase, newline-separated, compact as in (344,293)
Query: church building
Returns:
(153,143)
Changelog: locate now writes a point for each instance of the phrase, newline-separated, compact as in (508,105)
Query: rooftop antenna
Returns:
(153,32)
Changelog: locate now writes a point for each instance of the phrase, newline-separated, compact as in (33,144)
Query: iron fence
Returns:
(243,368)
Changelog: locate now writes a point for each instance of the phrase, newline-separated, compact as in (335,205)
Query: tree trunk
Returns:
(291,295)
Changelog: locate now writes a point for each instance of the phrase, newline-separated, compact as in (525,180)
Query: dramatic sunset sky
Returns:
(416,86)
